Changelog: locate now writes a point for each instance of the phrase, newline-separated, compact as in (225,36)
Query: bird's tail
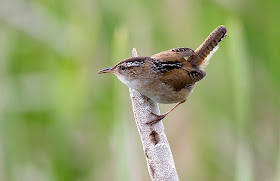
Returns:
(204,52)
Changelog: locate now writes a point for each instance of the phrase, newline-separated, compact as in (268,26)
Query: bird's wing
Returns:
(175,54)
(177,74)
(204,52)
(182,78)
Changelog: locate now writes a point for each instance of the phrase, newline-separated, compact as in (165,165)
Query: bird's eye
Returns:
(123,67)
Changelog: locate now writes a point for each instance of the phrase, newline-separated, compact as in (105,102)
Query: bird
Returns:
(168,77)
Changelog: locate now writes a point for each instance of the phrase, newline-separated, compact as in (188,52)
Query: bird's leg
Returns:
(161,116)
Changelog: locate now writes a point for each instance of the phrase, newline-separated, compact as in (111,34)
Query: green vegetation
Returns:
(60,121)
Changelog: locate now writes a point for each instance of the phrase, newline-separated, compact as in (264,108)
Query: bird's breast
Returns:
(157,90)
(165,94)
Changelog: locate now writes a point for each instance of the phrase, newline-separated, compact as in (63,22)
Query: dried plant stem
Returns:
(155,144)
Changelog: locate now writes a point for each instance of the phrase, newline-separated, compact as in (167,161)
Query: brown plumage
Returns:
(202,54)
(167,77)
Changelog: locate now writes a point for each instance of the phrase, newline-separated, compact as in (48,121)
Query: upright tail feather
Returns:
(204,52)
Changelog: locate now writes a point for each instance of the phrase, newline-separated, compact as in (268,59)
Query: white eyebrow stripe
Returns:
(134,64)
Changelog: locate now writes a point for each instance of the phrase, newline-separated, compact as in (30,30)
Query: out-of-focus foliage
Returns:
(60,121)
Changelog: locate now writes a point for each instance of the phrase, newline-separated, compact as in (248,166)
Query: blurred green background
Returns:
(61,121)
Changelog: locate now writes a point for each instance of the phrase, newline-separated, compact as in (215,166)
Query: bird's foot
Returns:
(161,116)
(157,119)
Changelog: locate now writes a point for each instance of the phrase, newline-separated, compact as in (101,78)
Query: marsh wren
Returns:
(167,77)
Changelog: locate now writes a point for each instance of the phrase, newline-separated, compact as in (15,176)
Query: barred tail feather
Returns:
(204,52)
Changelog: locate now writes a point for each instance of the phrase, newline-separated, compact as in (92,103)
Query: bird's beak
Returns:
(107,70)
